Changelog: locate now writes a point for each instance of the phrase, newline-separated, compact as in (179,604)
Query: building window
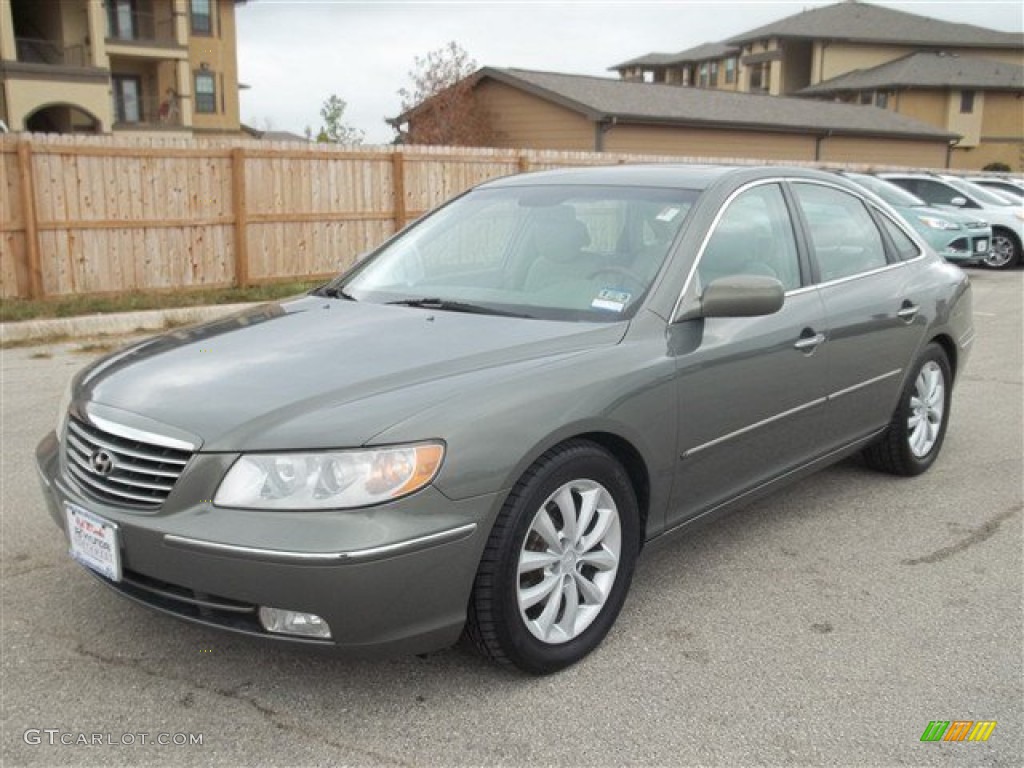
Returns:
(202,17)
(702,76)
(882,99)
(966,102)
(127,98)
(760,78)
(730,70)
(206,93)
(714,74)
(866,98)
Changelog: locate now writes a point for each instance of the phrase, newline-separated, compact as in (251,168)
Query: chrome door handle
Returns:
(809,343)
(908,312)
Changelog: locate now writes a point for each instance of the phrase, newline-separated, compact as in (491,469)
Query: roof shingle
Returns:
(927,70)
(602,99)
(865,22)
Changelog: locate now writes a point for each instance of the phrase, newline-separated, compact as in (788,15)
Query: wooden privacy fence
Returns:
(95,215)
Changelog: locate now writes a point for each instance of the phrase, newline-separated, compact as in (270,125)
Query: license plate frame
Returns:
(93,541)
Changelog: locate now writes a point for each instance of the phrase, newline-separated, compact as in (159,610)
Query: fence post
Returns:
(524,164)
(28,215)
(241,217)
(398,181)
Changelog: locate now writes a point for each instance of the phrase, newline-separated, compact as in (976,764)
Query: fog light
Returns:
(294,623)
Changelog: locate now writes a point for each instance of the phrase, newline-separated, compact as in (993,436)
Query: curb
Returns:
(114,324)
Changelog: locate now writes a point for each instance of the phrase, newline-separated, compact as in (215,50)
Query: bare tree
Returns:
(334,130)
(440,103)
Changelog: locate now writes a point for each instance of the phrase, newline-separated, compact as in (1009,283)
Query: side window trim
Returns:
(891,250)
(808,265)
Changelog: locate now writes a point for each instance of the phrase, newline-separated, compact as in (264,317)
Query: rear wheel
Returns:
(1004,251)
(558,563)
(914,438)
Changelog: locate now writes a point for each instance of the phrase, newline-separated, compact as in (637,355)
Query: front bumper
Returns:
(389,579)
(969,248)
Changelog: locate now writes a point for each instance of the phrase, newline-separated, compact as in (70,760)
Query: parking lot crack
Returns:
(983,532)
(272,716)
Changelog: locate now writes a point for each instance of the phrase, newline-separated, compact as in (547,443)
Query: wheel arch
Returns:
(949,347)
(623,449)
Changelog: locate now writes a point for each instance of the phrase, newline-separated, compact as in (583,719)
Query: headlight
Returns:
(329,479)
(936,223)
(62,411)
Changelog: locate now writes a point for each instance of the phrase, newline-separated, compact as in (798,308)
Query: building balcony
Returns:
(48,52)
(144,35)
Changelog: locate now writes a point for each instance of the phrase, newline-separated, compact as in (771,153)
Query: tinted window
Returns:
(906,249)
(844,238)
(933,192)
(753,237)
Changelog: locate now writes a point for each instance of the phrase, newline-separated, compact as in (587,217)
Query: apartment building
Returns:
(962,78)
(149,67)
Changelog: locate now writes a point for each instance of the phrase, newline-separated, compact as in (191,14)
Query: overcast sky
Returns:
(295,53)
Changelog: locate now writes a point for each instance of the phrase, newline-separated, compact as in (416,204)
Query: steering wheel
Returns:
(622,271)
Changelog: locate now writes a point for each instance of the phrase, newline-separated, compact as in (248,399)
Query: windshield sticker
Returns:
(668,214)
(613,301)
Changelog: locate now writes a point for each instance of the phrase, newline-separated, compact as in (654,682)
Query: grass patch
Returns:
(13,310)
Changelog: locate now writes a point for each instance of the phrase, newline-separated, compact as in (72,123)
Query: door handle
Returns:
(907,311)
(809,343)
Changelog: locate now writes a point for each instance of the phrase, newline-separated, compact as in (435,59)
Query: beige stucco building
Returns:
(156,67)
(813,53)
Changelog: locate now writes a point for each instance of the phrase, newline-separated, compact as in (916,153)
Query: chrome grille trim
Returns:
(143,474)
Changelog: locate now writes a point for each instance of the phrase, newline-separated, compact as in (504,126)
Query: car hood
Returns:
(315,372)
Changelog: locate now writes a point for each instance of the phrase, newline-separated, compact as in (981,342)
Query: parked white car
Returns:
(1005,216)
(1006,186)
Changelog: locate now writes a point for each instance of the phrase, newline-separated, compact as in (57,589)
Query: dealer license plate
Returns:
(93,541)
(980,246)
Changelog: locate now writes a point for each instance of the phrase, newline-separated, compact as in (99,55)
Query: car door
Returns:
(751,390)
(875,308)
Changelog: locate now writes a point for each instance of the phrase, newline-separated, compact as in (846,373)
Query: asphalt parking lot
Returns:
(828,624)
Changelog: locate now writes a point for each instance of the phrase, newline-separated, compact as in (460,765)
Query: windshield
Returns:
(888,191)
(557,252)
(980,194)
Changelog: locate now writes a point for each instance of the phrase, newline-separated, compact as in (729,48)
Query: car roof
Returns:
(669,175)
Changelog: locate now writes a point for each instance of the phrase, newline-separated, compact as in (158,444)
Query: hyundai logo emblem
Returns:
(102,462)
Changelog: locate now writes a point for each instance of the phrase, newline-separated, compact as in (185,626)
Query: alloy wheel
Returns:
(927,404)
(568,561)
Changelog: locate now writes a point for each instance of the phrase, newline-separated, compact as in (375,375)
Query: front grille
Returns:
(140,474)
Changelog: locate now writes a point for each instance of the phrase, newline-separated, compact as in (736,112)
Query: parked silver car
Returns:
(476,430)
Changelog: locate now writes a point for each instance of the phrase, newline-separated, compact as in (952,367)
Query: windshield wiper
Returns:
(453,306)
(333,292)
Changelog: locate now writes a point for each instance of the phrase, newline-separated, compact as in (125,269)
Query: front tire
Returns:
(1004,251)
(558,563)
(914,438)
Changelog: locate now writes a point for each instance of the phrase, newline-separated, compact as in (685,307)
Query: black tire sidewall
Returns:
(583,462)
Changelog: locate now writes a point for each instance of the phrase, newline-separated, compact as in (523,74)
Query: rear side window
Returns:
(844,238)
(906,249)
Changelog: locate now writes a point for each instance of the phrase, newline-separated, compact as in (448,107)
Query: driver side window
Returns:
(753,237)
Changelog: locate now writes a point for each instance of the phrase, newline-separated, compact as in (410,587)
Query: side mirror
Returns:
(958,201)
(742,296)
